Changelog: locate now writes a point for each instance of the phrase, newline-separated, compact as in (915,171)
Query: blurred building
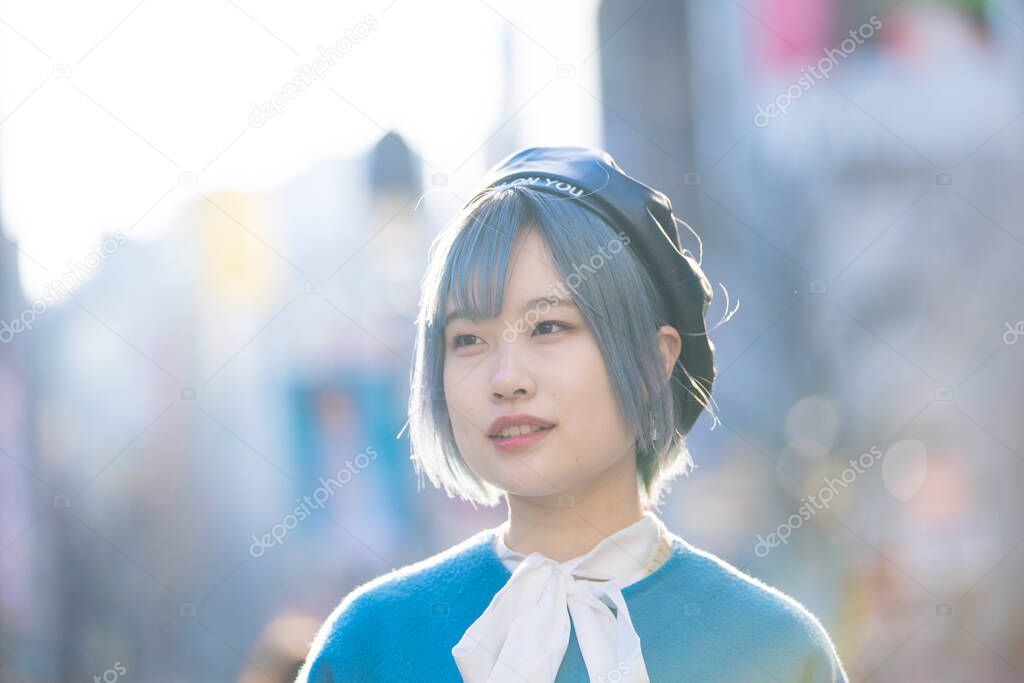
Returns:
(27,606)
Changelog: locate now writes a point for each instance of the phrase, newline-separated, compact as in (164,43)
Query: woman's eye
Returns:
(547,325)
(461,340)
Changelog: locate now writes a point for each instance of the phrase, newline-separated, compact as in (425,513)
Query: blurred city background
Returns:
(215,217)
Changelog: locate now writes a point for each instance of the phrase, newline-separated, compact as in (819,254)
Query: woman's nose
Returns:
(511,377)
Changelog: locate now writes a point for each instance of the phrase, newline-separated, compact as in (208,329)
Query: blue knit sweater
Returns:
(698,618)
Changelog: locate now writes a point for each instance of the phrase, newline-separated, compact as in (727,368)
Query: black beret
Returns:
(593,178)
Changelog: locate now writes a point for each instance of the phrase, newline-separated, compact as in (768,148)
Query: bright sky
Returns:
(104,106)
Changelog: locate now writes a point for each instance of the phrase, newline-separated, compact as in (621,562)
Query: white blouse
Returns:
(524,632)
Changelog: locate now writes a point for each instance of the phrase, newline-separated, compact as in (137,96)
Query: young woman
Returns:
(561,358)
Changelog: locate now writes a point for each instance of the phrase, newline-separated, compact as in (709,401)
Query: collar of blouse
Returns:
(524,632)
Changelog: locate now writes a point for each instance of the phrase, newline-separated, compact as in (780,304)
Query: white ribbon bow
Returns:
(523,634)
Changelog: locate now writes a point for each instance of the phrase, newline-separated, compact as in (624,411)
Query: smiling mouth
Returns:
(520,438)
(523,430)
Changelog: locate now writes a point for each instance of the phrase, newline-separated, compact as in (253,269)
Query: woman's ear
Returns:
(670,344)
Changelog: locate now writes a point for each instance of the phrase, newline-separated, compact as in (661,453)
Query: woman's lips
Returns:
(518,443)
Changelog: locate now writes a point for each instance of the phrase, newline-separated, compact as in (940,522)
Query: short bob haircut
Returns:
(615,295)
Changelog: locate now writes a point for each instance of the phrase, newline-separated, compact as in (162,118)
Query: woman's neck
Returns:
(562,527)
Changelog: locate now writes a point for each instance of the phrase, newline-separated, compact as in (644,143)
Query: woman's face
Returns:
(537,359)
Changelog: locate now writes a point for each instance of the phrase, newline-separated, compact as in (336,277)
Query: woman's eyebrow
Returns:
(551,300)
(454,315)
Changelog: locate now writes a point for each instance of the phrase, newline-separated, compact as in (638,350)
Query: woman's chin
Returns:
(531,483)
